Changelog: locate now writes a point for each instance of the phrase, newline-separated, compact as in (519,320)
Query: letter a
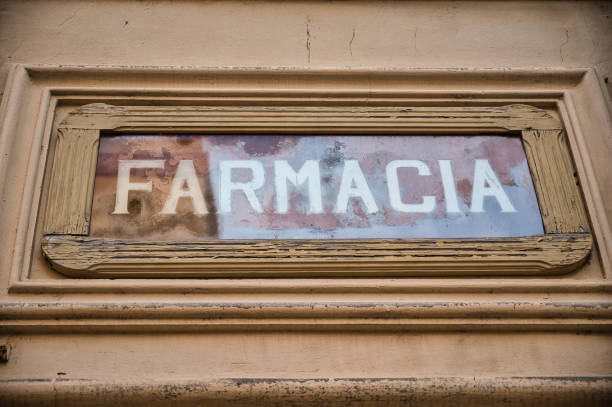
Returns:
(352,174)
(483,176)
(185,176)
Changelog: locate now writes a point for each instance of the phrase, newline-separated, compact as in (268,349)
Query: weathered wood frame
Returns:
(565,246)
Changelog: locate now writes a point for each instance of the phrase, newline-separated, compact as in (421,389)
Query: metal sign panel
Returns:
(312,187)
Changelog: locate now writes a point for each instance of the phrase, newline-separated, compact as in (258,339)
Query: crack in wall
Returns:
(69,18)
(564,44)
(308,38)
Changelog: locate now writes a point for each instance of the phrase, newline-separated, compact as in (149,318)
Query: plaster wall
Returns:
(309,34)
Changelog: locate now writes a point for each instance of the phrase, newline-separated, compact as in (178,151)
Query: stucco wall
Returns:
(312,34)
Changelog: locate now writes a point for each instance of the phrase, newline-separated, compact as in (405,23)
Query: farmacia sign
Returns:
(321,186)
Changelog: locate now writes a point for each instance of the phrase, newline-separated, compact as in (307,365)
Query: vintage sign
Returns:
(319,187)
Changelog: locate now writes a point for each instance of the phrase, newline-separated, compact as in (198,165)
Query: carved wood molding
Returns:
(69,202)
(74,168)
(96,257)
(393,119)
(554,179)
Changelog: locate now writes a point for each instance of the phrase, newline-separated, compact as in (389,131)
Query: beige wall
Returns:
(313,34)
(105,364)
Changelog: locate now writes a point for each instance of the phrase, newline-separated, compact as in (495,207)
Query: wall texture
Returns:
(309,34)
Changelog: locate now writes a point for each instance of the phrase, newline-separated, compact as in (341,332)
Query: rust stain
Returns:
(464,190)
(144,219)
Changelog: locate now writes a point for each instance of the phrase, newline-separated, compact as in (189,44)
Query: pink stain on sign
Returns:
(322,186)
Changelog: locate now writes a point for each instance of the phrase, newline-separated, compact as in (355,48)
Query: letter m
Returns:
(283,173)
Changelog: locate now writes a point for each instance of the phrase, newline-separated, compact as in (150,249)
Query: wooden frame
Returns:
(570,313)
(37,299)
(565,246)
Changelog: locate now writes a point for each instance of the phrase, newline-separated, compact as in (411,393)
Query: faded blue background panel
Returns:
(249,207)
(373,153)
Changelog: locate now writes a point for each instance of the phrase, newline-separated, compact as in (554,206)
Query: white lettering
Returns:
(448,183)
(429,201)
(352,174)
(186,184)
(283,173)
(124,186)
(483,176)
(185,176)
(227,185)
